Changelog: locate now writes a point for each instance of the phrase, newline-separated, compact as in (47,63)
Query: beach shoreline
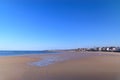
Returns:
(77,67)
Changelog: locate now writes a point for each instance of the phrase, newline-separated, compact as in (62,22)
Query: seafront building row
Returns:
(107,49)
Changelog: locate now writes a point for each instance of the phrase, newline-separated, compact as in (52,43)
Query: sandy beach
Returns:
(105,66)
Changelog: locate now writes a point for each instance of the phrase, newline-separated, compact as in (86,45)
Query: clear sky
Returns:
(57,24)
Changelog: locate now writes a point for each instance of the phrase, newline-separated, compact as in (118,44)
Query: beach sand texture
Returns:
(101,67)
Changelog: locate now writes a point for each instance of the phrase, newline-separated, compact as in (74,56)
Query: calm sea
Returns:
(20,53)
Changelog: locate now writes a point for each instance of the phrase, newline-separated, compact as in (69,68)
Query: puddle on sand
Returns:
(47,61)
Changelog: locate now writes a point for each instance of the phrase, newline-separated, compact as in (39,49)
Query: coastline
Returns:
(75,68)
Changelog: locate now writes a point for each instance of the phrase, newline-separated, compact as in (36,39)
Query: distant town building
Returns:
(103,48)
(99,49)
(107,49)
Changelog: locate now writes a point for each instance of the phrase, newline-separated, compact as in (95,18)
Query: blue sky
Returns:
(58,24)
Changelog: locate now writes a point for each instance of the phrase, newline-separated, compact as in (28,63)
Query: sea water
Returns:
(22,53)
(44,62)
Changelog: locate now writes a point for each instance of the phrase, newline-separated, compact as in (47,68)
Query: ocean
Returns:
(44,62)
(20,53)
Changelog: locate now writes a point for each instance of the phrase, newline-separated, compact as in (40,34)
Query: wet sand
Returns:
(80,66)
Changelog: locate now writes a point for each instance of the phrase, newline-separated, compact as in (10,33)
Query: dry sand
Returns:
(87,68)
